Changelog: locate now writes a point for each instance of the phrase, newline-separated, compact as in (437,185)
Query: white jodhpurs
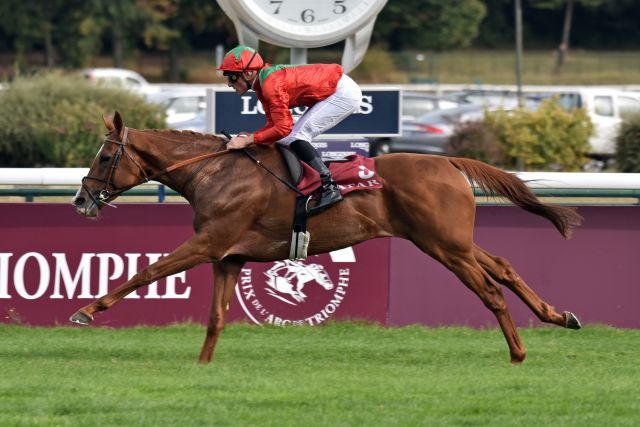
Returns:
(327,113)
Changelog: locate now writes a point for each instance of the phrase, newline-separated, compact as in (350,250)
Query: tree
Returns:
(67,29)
(171,24)
(22,20)
(563,48)
(429,24)
(122,19)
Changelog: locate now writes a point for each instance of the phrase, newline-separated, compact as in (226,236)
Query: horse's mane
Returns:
(183,133)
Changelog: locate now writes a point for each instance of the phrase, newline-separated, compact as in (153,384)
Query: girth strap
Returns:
(300,237)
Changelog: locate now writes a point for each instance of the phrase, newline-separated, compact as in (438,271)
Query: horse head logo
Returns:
(286,280)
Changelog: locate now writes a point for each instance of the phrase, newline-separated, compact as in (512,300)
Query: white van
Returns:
(607,108)
(120,77)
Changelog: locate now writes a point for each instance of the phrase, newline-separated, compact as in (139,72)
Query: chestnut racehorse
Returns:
(242,214)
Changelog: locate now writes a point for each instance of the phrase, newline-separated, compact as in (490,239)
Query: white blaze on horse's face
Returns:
(100,181)
(84,205)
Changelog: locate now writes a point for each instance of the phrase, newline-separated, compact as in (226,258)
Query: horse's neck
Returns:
(168,148)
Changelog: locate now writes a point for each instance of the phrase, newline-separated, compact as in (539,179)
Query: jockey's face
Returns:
(238,83)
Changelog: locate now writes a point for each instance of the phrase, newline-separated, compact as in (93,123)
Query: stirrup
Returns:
(328,199)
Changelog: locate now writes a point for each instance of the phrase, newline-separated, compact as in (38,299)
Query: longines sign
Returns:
(379,114)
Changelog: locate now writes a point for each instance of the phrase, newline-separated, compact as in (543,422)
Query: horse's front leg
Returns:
(225,277)
(189,254)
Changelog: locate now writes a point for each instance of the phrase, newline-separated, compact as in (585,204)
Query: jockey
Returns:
(330,95)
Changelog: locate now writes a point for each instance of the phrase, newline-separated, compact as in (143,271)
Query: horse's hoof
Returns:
(571,321)
(518,358)
(81,318)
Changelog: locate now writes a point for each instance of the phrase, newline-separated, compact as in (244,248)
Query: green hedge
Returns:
(549,138)
(55,119)
(478,140)
(628,146)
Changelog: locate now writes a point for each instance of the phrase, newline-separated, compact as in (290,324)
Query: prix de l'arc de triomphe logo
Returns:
(293,292)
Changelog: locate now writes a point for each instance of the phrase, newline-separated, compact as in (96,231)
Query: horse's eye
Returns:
(104,158)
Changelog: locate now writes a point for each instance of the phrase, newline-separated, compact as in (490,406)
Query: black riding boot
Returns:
(330,192)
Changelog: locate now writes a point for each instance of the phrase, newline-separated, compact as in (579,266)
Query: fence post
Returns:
(161,193)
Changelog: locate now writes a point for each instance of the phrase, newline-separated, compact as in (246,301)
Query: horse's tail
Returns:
(494,181)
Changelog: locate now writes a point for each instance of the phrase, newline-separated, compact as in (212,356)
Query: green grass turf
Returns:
(334,375)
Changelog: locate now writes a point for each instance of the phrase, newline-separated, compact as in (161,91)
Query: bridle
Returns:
(110,190)
(105,193)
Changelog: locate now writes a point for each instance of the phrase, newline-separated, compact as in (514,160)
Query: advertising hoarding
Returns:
(53,262)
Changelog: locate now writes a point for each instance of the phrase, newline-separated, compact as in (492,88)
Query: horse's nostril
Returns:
(79,201)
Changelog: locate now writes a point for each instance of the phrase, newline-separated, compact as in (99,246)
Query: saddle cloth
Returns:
(354,173)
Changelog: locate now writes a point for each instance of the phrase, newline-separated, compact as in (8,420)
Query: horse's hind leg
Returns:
(502,271)
(464,265)
(225,276)
(476,279)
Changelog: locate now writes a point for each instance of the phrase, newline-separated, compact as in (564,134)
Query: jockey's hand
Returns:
(240,141)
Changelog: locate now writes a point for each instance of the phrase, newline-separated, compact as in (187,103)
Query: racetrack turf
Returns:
(340,374)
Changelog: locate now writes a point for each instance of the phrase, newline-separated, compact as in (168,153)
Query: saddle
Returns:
(293,163)
(352,174)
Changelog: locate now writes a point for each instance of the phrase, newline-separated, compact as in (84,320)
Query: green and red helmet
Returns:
(240,59)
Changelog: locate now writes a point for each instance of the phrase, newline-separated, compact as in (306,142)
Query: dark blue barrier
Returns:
(379,114)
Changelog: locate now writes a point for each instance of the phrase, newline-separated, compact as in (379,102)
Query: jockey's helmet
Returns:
(241,59)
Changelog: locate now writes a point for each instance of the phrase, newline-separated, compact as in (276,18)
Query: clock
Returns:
(306,23)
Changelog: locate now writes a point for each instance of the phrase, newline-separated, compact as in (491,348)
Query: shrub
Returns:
(478,140)
(549,138)
(628,146)
(56,120)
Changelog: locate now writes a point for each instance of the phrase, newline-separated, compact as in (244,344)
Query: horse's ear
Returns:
(119,125)
(108,122)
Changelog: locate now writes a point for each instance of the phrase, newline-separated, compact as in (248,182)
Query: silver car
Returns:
(182,107)
(430,132)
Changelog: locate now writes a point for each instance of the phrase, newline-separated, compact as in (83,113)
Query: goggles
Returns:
(232,77)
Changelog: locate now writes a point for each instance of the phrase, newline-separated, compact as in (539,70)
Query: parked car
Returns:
(429,133)
(120,77)
(414,105)
(498,98)
(197,123)
(607,108)
(182,106)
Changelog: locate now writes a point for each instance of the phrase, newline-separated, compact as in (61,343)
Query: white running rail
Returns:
(73,176)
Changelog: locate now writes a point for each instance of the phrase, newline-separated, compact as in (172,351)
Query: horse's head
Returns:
(113,170)
(320,275)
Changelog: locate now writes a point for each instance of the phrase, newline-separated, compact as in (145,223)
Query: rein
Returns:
(259,163)
(106,194)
